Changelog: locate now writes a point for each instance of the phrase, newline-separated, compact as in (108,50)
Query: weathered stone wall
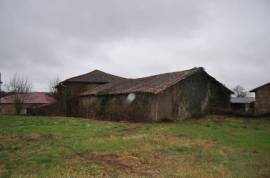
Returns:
(117,107)
(194,96)
(219,99)
(186,99)
(9,109)
(76,88)
(262,103)
(44,110)
(68,99)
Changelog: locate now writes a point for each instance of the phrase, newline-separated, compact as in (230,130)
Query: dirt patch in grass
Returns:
(115,164)
(27,137)
(39,137)
(174,141)
(123,131)
(3,171)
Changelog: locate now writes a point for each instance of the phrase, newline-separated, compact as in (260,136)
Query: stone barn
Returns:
(69,89)
(171,96)
(262,103)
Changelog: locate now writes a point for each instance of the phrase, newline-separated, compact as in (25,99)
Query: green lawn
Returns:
(213,146)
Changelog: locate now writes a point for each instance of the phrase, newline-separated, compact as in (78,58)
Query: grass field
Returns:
(213,146)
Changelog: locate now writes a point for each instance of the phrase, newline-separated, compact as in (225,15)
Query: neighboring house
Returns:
(69,90)
(242,104)
(262,104)
(174,95)
(30,101)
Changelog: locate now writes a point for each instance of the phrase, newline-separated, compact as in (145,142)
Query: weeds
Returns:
(213,146)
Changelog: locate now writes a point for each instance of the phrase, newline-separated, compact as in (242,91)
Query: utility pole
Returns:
(0,92)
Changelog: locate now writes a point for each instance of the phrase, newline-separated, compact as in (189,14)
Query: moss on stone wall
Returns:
(219,98)
(68,99)
(117,107)
(194,96)
(193,93)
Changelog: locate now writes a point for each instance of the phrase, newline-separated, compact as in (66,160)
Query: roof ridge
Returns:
(151,84)
(34,97)
(95,76)
(96,70)
(255,89)
(194,68)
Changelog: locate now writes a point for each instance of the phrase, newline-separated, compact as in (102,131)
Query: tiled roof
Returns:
(153,84)
(242,99)
(95,76)
(30,98)
(254,90)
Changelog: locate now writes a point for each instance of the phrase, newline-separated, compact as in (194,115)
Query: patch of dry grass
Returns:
(66,147)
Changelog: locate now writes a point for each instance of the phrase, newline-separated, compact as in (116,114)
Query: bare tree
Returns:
(20,87)
(239,91)
(53,84)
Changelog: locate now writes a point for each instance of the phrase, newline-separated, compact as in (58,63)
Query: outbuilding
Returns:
(242,105)
(173,96)
(29,101)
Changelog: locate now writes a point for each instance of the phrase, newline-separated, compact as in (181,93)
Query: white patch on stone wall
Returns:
(131,97)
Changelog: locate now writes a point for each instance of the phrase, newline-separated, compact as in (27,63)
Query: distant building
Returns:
(262,104)
(30,101)
(175,95)
(242,104)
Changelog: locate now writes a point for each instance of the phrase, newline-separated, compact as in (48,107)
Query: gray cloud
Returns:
(45,39)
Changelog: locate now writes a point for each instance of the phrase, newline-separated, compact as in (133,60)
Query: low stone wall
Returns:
(45,110)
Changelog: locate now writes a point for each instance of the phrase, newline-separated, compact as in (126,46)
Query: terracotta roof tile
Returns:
(30,98)
(95,76)
(255,89)
(153,84)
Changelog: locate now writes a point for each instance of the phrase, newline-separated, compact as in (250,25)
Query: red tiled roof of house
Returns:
(30,98)
(153,84)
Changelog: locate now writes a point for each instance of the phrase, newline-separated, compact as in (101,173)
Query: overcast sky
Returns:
(133,38)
